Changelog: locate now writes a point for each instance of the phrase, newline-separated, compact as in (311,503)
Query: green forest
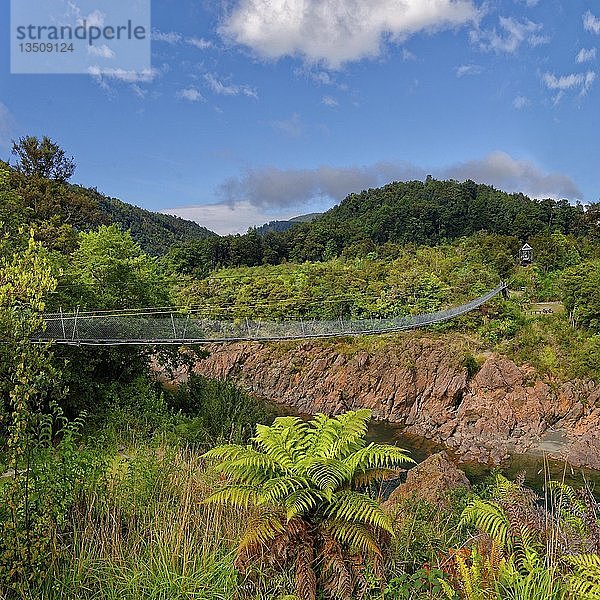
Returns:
(115,486)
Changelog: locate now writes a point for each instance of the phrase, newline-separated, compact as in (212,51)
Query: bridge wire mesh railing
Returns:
(151,326)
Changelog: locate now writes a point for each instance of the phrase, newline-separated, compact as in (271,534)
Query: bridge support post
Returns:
(62,322)
(75,325)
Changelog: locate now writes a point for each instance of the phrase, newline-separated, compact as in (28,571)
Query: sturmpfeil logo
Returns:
(80,36)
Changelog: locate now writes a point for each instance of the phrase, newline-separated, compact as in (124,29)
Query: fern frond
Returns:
(250,467)
(235,495)
(504,487)
(225,452)
(448,590)
(526,547)
(276,490)
(589,562)
(469,577)
(364,479)
(336,437)
(353,535)
(279,442)
(568,495)
(306,578)
(321,436)
(377,456)
(585,581)
(539,582)
(337,579)
(327,473)
(302,502)
(355,507)
(489,518)
(352,427)
(261,530)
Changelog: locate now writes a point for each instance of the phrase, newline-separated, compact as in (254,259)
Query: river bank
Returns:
(483,413)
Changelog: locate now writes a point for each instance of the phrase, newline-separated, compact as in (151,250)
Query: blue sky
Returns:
(263,109)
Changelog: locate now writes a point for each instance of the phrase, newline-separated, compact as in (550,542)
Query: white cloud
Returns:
(521,102)
(174,37)
(563,83)
(512,175)
(321,77)
(200,43)
(538,40)
(228,89)
(292,126)
(585,55)
(408,55)
(513,34)
(169,37)
(190,94)
(138,91)
(470,69)
(591,22)
(337,31)
(94,19)
(528,3)
(272,187)
(329,101)
(102,51)
(143,76)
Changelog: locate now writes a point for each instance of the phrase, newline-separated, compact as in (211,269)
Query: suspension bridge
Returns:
(161,327)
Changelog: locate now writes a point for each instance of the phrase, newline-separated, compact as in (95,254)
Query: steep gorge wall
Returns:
(423,383)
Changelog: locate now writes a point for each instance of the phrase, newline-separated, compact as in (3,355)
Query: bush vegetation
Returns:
(110,485)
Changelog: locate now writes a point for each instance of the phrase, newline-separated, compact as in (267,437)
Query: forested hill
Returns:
(155,232)
(421,213)
(435,211)
(278,226)
(57,211)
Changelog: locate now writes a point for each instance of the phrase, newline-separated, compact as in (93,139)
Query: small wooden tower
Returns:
(526,255)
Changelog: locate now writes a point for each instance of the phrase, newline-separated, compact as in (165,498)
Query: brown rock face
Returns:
(422,383)
(431,481)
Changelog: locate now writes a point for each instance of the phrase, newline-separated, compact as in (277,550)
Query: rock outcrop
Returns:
(424,383)
(431,480)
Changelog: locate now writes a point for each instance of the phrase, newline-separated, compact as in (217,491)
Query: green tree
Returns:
(28,384)
(303,478)
(42,158)
(581,293)
(13,214)
(554,251)
(110,271)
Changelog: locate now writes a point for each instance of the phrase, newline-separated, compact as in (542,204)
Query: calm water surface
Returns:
(537,470)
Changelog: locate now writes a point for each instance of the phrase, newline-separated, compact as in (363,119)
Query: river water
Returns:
(536,468)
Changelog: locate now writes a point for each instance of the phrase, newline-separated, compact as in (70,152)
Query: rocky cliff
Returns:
(427,384)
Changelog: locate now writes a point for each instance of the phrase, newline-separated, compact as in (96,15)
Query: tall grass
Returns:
(142,532)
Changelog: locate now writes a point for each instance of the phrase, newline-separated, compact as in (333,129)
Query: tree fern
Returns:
(303,477)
